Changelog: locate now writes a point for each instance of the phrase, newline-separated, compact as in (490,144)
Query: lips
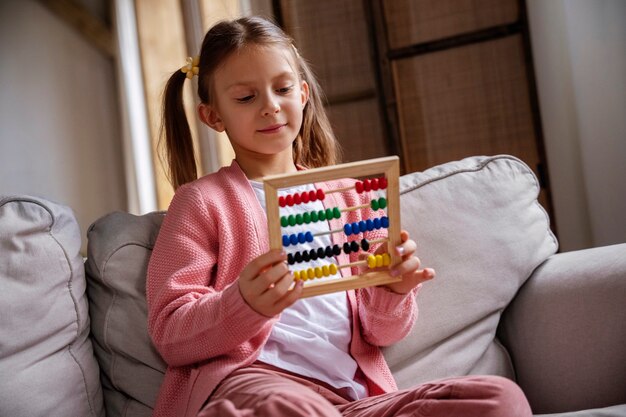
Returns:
(273,128)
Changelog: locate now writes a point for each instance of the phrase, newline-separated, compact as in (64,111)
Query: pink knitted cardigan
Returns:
(197,318)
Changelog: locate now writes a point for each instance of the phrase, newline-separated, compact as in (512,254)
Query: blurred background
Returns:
(429,80)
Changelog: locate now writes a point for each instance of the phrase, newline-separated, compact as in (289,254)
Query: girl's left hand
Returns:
(412,276)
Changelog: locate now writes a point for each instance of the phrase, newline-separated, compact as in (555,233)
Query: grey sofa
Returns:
(73,339)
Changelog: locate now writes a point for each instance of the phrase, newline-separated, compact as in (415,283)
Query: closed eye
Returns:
(285,90)
(244,99)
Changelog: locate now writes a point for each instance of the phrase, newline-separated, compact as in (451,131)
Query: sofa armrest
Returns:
(566,331)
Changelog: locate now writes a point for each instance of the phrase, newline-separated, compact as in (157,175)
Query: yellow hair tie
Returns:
(191,68)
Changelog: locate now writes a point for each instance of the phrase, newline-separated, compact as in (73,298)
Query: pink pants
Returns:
(262,390)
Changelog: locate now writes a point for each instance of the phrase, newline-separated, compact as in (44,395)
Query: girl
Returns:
(223,312)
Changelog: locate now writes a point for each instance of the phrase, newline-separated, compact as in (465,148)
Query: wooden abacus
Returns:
(389,168)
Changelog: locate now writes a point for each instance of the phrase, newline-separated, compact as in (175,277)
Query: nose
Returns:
(270,105)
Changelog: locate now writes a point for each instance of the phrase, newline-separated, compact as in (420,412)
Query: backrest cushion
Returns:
(478,223)
(47,366)
(118,249)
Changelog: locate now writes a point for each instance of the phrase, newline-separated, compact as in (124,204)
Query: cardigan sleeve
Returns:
(189,320)
(386,317)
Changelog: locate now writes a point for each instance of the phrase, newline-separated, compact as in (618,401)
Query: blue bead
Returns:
(376,223)
(370,225)
(385,222)
(355,228)
(301,238)
(308,237)
(347,229)
(285,240)
(293,239)
(362,226)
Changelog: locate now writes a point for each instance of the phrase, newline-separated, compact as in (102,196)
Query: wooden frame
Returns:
(389,167)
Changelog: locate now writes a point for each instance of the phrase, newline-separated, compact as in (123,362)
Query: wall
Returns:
(60,132)
(580,65)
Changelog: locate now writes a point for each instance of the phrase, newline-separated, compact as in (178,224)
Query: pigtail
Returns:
(179,151)
(316,145)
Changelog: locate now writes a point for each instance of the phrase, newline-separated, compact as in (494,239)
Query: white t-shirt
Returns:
(312,337)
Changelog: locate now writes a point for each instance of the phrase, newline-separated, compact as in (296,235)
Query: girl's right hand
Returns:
(264,284)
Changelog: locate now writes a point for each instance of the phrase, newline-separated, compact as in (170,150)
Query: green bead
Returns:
(321,214)
(306,217)
(299,218)
(337,213)
(283,221)
(374,204)
(292,220)
(329,213)
(314,217)
(382,202)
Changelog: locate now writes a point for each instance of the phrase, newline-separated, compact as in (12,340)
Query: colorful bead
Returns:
(384,222)
(374,183)
(293,239)
(281,201)
(310,273)
(382,183)
(333,269)
(313,254)
(347,229)
(290,259)
(321,215)
(312,195)
(354,246)
(329,213)
(367,185)
(299,218)
(286,240)
(321,252)
(297,199)
(369,224)
(362,226)
(325,270)
(337,213)
(328,251)
(365,245)
(386,259)
(306,217)
(289,200)
(371,261)
(314,216)
(336,250)
(359,187)
(374,204)
(382,202)
(320,194)
(318,272)
(346,248)
(283,221)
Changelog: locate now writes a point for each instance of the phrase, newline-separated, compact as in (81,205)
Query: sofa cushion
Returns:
(118,249)
(478,223)
(47,366)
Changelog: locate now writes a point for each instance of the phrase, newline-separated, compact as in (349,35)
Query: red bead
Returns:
(320,194)
(359,187)
(305,197)
(383,183)
(281,201)
(289,200)
(312,195)
(367,185)
(297,199)
(374,184)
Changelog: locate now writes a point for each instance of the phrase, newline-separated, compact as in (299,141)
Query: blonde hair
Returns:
(315,145)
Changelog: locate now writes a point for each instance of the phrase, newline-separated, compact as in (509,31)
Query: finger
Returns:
(406,249)
(267,279)
(410,264)
(261,263)
(290,297)
(425,274)
(281,284)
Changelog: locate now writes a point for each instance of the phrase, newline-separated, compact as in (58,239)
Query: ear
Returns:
(304,93)
(210,117)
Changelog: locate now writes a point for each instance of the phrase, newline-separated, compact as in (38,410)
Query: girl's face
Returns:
(259,102)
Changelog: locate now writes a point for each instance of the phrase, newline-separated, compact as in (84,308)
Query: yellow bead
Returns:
(296,275)
(379,261)
(318,272)
(311,273)
(325,270)
(371,261)
(333,269)
(386,259)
